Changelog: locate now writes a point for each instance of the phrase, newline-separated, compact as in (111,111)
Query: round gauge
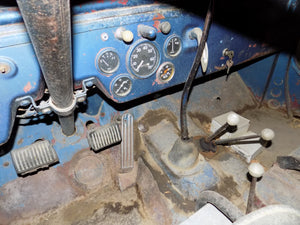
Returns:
(165,72)
(144,59)
(173,46)
(121,86)
(108,61)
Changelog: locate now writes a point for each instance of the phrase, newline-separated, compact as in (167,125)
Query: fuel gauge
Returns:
(165,72)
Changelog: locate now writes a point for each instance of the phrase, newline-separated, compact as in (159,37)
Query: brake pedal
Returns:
(102,137)
(127,143)
(38,155)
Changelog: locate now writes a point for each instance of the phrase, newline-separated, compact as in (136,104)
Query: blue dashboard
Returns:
(127,49)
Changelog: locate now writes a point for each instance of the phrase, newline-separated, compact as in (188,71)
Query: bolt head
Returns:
(142,127)
(256,169)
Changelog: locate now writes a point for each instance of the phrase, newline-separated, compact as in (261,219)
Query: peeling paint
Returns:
(158,16)
(27,87)
(156,25)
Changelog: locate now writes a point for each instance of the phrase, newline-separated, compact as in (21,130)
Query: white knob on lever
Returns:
(233,119)
(267,134)
(256,169)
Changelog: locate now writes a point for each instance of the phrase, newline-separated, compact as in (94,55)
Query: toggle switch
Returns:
(147,32)
(124,35)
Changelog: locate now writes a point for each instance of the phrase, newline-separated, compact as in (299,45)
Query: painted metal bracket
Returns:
(46,107)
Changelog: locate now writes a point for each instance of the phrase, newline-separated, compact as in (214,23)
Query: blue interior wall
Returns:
(255,77)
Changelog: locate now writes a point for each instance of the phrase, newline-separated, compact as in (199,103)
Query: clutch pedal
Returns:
(29,159)
(102,137)
(127,143)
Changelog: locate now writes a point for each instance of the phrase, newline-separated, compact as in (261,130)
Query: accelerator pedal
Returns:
(103,137)
(127,160)
(29,159)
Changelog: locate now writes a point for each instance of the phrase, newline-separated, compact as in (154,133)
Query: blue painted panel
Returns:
(255,77)
(25,80)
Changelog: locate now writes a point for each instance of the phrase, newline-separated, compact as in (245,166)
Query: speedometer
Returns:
(144,59)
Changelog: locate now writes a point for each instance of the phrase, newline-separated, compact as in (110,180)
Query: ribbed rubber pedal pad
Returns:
(127,143)
(102,137)
(29,159)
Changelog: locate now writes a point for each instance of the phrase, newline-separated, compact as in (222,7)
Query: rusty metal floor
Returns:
(88,189)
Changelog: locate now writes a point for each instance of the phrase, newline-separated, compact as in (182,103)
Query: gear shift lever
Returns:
(207,143)
(210,143)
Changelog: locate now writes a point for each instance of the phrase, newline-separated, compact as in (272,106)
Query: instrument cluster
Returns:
(128,52)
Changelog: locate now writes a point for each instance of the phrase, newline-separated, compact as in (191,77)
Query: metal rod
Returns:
(251,195)
(270,75)
(287,90)
(193,72)
(218,133)
(238,140)
(48,23)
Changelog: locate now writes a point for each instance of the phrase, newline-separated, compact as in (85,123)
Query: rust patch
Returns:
(117,207)
(154,117)
(228,188)
(123,2)
(165,186)
(20,141)
(246,108)
(201,120)
(158,16)
(156,25)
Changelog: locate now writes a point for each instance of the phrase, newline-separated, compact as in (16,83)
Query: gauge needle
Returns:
(172,46)
(121,86)
(166,70)
(105,62)
(138,67)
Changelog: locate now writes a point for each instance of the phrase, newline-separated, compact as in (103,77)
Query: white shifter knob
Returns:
(233,119)
(256,169)
(267,134)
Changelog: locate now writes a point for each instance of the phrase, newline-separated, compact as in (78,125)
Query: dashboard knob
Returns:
(127,36)
(165,27)
(124,35)
(147,32)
